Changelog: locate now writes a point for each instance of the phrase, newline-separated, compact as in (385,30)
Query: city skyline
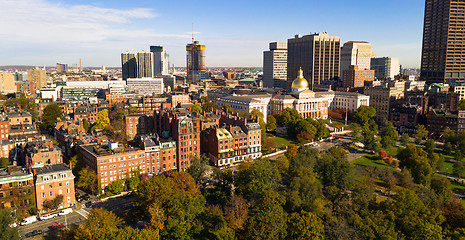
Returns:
(45,32)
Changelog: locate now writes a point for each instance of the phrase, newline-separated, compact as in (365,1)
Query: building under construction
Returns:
(195,62)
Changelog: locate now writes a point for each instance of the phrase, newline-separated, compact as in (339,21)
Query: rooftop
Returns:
(52,168)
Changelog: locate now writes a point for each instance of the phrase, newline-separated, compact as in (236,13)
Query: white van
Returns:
(65,211)
(47,216)
(28,220)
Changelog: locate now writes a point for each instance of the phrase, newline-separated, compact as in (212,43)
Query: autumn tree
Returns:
(102,120)
(100,224)
(304,225)
(236,212)
(214,224)
(291,151)
(54,203)
(196,108)
(383,154)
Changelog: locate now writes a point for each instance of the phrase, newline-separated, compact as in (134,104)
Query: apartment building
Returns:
(52,181)
(17,189)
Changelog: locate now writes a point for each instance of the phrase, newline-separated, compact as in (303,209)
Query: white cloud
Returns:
(29,25)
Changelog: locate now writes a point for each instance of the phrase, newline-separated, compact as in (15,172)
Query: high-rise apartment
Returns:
(38,76)
(145,64)
(317,54)
(356,53)
(443,49)
(7,82)
(129,65)
(385,67)
(275,65)
(160,61)
(195,61)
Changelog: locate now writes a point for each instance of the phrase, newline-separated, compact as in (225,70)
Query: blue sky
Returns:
(44,32)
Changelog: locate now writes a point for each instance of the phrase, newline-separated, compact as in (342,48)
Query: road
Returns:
(76,217)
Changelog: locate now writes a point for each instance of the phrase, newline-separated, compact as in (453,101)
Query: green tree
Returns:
(442,187)
(228,108)
(133,182)
(334,169)
(304,225)
(4,162)
(282,163)
(27,104)
(404,139)
(215,225)
(462,104)
(416,160)
(270,123)
(88,180)
(287,116)
(196,108)
(267,220)
(363,115)
(116,187)
(458,169)
(102,120)
(51,113)
(420,133)
(256,177)
(54,203)
(198,169)
(447,148)
(222,185)
(430,145)
(85,125)
(306,157)
(7,232)
(356,132)
(304,192)
(388,134)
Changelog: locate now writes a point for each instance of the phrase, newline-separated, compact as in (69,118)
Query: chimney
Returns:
(19,106)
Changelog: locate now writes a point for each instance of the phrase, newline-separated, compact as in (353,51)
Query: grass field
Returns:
(392,151)
(282,142)
(371,160)
(457,187)
(447,167)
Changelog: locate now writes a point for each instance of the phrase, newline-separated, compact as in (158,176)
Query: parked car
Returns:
(88,204)
(28,220)
(86,197)
(57,226)
(47,216)
(65,211)
(34,233)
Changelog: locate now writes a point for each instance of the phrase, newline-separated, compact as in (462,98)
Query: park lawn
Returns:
(370,160)
(457,187)
(282,142)
(447,167)
(392,151)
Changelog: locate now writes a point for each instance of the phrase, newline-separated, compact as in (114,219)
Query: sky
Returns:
(236,32)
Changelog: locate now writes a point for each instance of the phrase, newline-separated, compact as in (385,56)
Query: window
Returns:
(60,184)
(42,187)
(51,193)
(67,190)
(60,191)
(50,186)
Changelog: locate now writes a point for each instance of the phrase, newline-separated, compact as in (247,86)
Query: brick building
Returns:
(112,162)
(160,155)
(40,153)
(137,124)
(16,189)
(356,78)
(177,100)
(54,180)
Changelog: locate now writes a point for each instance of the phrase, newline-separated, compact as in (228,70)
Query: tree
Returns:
(383,154)
(430,145)
(133,182)
(442,187)
(27,104)
(236,212)
(7,232)
(388,134)
(85,125)
(447,148)
(291,151)
(102,120)
(256,177)
(334,169)
(416,160)
(390,181)
(116,187)
(54,203)
(305,225)
(363,115)
(270,123)
(51,113)
(4,162)
(267,220)
(282,163)
(406,179)
(287,116)
(88,180)
(196,108)
(404,139)
(459,169)
(305,137)
(420,133)
(462,104)
(228,108)
(100,224)
(214,225)
(304,192)
(356,132)
(198,169)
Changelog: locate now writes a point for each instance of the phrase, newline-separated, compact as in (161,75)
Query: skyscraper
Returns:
(38,76)
(385,67)
(443,49)
(356,53)
(317,54)
(160,61)
(195,61)
(275,65)
(129,65)
(145,64)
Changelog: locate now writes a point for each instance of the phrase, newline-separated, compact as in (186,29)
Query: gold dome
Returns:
(300,82)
